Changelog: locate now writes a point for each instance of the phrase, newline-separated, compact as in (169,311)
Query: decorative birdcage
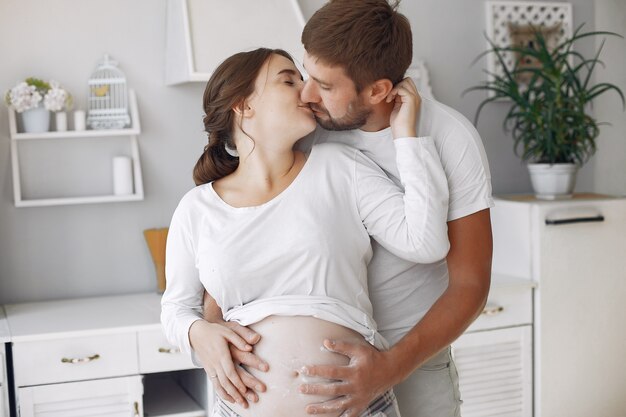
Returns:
(108,97)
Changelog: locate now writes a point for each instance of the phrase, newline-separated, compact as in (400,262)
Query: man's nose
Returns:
(308,94)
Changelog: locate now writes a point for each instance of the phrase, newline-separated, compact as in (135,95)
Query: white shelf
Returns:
(163,397)
(77,134)
(131,133)
(41,202)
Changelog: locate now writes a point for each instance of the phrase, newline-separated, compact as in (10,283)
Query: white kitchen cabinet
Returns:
(203,33)
(114,397)
(48,174)
(494,356)
(575,250)
(4,388)
(71,357)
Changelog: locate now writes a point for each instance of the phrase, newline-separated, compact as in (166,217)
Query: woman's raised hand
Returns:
(212,345)
(405,112)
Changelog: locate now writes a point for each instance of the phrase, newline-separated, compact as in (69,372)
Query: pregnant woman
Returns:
(281,239)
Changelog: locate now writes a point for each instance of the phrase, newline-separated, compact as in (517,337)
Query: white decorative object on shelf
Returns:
(131,133)
(60,120)
(108,100)
(501,14)
(79,120)
(36,120)
(122,175)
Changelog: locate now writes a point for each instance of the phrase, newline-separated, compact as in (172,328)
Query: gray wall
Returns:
(610,162)
(71,251)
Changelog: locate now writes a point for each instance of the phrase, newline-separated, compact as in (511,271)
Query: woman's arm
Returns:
(412,225)
(181,313)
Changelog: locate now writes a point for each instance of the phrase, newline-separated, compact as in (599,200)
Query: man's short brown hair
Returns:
(368,38)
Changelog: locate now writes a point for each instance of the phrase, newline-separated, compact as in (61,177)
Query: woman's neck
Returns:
(260,176)
(266,169)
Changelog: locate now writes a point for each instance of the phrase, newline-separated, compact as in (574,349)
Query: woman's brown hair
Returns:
(231,83)
(368,38)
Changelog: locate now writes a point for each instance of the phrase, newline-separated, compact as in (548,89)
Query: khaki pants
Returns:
(432,390)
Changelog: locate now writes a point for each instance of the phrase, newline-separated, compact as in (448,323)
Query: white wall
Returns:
(70,251)
(610,162)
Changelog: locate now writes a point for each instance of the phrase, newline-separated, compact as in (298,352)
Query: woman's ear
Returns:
(243,109)
(379,90)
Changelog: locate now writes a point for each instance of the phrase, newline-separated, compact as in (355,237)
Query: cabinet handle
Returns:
(81,360)
(558,222)
(136,409)
(492,310)
(169,350)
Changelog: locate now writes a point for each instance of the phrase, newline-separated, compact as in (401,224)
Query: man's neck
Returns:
(379,118)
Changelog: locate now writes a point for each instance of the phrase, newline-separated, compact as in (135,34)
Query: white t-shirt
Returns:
(402,291)
(305,252)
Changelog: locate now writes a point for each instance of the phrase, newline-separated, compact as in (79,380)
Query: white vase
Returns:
(36,120)
(553,181)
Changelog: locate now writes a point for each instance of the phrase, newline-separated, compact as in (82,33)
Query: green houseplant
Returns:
(549,115)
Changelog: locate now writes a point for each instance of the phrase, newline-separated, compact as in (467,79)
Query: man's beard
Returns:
(355,117)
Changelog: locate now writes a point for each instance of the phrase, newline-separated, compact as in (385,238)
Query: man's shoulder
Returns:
(333,150)
(442,119)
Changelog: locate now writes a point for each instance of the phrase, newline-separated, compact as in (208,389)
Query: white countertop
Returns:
(112,314)
(83,316)
(508,281)
(5,335)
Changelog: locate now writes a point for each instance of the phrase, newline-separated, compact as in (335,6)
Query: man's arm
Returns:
(370,372)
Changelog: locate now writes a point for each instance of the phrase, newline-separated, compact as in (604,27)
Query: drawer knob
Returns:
(492,310)
(169,350)
(81,360)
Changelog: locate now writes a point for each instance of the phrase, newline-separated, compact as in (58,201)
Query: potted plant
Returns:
(35,99)
(549,115)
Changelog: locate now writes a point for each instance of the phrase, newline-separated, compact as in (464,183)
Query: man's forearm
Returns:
(469,268)
(453,312)
(211,311)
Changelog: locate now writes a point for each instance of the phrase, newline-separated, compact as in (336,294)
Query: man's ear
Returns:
(379,90)
(243,109)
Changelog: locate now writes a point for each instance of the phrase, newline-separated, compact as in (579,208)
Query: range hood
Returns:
(202,33)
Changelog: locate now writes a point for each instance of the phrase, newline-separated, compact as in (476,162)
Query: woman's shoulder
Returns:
(192,200)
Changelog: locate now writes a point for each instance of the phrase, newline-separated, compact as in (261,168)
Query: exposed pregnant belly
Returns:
(287,344)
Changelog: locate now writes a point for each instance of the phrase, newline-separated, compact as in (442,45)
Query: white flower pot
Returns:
(552,182)
(36,120)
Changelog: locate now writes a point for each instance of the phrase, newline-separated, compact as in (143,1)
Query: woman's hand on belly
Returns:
(288,344)
(212,345)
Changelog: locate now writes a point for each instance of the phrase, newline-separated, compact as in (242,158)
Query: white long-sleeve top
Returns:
(305,252)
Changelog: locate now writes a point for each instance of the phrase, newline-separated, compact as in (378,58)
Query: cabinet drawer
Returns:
(74,359)
(114,397)
(507,306)
(156,354)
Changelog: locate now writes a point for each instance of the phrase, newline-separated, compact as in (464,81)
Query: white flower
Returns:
(29,94)
(24,97)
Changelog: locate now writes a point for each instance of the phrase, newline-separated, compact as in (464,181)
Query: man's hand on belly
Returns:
(368,376)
